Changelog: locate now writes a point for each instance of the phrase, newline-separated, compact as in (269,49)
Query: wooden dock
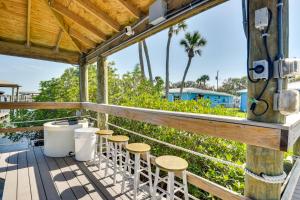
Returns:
(29,174)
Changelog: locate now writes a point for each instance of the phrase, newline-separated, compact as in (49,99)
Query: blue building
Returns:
(216,98)
(244,100)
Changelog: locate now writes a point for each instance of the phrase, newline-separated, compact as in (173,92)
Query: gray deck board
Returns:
(23,188)
(11,180)
(30,175)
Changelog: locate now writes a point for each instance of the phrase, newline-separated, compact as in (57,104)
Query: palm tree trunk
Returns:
(141,59)
(148,61)
(167,86)
(184,75)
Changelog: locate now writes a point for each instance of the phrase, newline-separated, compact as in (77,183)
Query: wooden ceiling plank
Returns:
(89,43)
(28,23)
(42,53)
(131,8)
(99,14)
(63,25)
(58,40)
(59,8)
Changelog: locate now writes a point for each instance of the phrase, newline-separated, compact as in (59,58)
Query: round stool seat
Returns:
(105,132)
(138,147)
(171,163)
(118,138)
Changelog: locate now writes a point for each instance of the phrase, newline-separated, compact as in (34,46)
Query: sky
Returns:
(225,51)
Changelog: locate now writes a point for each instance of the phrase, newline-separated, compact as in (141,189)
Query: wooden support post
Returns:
(84,84)
(261,160)
(17,94)
(12,94)
(102,90)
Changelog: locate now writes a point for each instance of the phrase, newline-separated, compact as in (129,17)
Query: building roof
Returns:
(199,91)
(29,92)
(8,84)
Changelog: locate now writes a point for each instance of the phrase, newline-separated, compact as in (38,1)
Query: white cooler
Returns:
(59,137)
(85,141)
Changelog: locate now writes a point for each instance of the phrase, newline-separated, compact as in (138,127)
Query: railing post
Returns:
(102,89)
(261,160)
(84,81)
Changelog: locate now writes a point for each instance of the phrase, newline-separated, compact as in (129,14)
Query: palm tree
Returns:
(140,46)
(182,26)
(192,44)
(203,79)
(148,61)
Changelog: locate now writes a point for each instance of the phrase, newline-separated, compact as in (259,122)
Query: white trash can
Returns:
(85,141)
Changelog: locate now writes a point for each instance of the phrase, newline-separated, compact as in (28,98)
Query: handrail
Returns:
(272,136)
(225,162)
(292,183)
(267,135)
(40,105)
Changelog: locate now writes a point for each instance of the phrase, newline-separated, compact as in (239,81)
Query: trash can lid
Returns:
(86,130)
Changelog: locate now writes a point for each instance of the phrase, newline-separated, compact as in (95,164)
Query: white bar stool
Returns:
(172,165)
(116,142)
(137,149)
(103,144)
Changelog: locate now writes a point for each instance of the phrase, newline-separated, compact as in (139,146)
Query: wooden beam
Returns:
(230,128)
(81,38)
(260,160)
(58,40)
(131,8)
(28,23)
(144,29)
(98,13)
(42,53)
(63,26)
(59,8)
(21,129)
(84,82)
(40,105)
(102,90)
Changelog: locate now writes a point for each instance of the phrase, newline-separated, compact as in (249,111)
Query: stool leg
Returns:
(100,153)
(108,153)
(171,185)
(95,154)
(185,186)
(155,183)
(125,170)
(136,174)
(115,162)
(120,157)
(149,171)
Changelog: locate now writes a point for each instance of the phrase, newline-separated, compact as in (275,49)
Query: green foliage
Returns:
(232,85)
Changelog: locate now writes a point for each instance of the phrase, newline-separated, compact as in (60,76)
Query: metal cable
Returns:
(180,148)
(46,120)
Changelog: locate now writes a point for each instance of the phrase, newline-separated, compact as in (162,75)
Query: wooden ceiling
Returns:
(64,30)
(63,27)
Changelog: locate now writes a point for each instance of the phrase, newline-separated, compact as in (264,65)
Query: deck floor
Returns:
(29,174)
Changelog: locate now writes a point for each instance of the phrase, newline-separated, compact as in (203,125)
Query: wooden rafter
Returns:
(131,8)
(58,40)
(145,29)
(63,26)
(59,8)
(28,23)
(42,53)
(99,14)
(86,41)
